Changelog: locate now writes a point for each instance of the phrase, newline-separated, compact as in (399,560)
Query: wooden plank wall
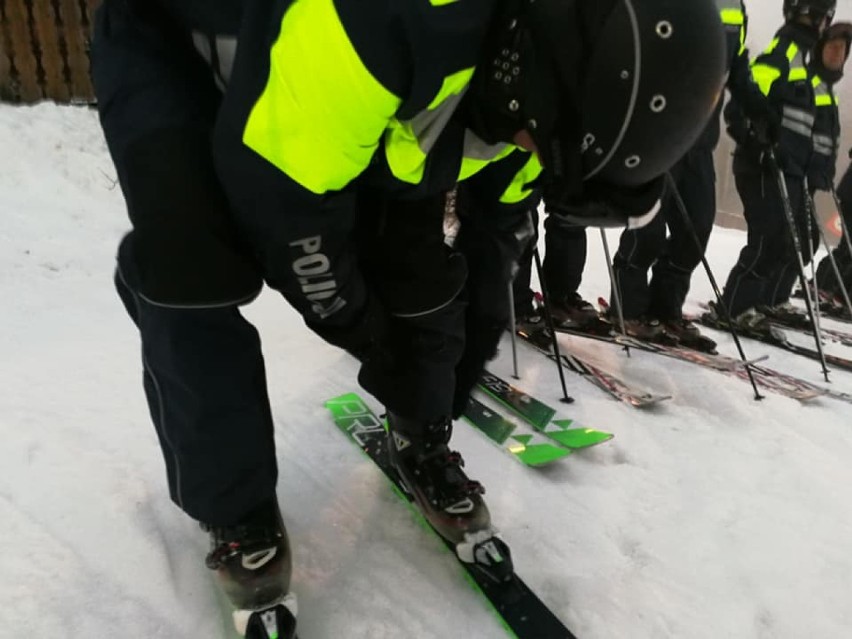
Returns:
(44,50)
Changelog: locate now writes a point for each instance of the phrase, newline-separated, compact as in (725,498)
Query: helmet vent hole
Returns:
(633,161)
(658,103)
(665,29)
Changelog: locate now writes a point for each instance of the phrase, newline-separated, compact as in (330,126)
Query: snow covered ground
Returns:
(710,516)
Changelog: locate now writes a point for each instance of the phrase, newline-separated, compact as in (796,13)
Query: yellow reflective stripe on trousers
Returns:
(321,115)
(516,191)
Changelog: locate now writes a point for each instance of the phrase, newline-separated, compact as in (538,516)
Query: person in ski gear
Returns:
(827,62)
(829,59)
(654,309)
(830,289)
(310,145)
(826,66)
(767,266)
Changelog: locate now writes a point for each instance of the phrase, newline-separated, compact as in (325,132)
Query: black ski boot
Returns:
(450,501)
(253,565)
(529,320)
(749,322)
(687,334)
(572,311)
(786,314)
(643,328)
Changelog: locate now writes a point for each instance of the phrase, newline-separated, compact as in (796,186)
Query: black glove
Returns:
(765,133)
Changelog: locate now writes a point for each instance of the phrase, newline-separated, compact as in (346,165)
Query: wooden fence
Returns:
(44,50)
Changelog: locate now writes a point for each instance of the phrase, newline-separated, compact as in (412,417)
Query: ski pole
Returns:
(548,318)
(512,321)
(810,220)
(797,249)
(616,291)
(833,262)
(687,221)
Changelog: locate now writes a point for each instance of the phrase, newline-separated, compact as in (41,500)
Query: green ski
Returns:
(519,610)
(539,415)
(530,449)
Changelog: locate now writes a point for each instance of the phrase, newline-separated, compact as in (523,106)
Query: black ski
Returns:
(521,613)
(806,388)
(838,313)
(803,325)
(767,378)
(776,337)
(829,308)
(539,339)
(605,328)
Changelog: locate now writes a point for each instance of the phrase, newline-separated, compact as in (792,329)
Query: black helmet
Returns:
(817,9)
(613,92)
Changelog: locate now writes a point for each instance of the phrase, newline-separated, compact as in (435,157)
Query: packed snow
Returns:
(712,515)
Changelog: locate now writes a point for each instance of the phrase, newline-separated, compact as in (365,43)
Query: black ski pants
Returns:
(767,266)
(780,285)
(673,258)
(192,259)
(565,250)
(182,271)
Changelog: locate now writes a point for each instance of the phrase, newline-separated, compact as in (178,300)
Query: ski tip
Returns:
(579,438)
(538,455)
(647,401)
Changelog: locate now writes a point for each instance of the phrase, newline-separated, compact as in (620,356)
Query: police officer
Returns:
(656,307)
(310,145)
(829,58)
(782,73)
